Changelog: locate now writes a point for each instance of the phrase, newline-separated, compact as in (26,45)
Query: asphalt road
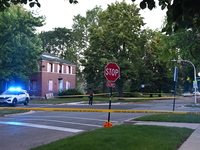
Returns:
(25,131)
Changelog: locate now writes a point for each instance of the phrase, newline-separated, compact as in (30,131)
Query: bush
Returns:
(70,92)
(128,94)
(131,94)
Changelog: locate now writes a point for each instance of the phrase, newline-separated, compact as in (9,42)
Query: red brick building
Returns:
(55,75)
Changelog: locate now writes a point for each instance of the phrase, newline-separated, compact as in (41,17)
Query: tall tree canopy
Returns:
(158,76)
(116,38)
(180,13)
(7,3)
(80,28)
(59,42)
(81,25)
(186,45)
(20,47)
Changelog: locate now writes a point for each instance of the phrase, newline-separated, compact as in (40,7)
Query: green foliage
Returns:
(158,76)
(128,94)
(188,42)
(8,3)
(19,45)
(116,38)
(142,55)
(185,45)
(81,27)
(80,33)
(11,111)
(59,42)
(70,92)
(181,14)
(82,24)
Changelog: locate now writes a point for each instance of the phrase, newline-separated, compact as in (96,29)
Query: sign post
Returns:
(175,86)
(111,73)
(110,84)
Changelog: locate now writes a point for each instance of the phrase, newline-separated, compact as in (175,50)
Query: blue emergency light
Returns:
(14,89)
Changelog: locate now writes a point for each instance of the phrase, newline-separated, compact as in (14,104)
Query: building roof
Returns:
(50,57)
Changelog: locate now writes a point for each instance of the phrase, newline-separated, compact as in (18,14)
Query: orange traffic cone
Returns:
(107,124)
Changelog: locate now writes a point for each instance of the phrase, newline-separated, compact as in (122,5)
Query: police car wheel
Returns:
(26,101)
(14,103)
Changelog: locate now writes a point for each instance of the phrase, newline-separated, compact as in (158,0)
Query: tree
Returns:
(60,43)
(187,48)
(20,47)
(159,75)
(116,38)
(187,41)
(180,13)
(80,34)
(81,25)
(7,3)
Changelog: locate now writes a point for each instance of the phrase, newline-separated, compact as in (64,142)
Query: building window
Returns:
(60,84)
(69,70)
(68,85)
(50,67)
(50,85)
(33,85)
(60,69)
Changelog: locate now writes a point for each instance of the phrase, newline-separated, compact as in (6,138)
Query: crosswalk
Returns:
(42,126)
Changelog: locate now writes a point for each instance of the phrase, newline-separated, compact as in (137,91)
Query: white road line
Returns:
(42,126)
(92,125)
(72,118)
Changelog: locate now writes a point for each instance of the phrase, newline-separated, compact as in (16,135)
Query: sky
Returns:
(61,12)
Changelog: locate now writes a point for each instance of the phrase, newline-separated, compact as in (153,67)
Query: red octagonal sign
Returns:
(112,72)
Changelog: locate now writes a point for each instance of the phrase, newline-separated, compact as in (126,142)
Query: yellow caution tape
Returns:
(159,98)
(154,98)
(99,110)
(104,94)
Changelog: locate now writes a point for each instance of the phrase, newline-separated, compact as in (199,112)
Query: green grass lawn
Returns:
(124,137)
(188,118)
(10,111)
(131,137)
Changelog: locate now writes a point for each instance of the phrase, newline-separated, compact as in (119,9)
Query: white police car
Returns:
(13,96)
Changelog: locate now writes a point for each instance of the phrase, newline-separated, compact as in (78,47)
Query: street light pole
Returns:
(195,79)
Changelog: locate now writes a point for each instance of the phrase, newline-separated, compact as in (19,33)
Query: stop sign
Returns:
(112,72)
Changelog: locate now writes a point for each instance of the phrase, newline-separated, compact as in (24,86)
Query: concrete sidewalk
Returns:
(192,143)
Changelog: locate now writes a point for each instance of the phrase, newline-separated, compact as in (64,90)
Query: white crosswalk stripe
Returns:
(43,126)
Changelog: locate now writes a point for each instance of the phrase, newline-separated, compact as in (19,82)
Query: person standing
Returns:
(91,98)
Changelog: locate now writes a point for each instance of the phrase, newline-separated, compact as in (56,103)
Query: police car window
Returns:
(10,93)
(21,93)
